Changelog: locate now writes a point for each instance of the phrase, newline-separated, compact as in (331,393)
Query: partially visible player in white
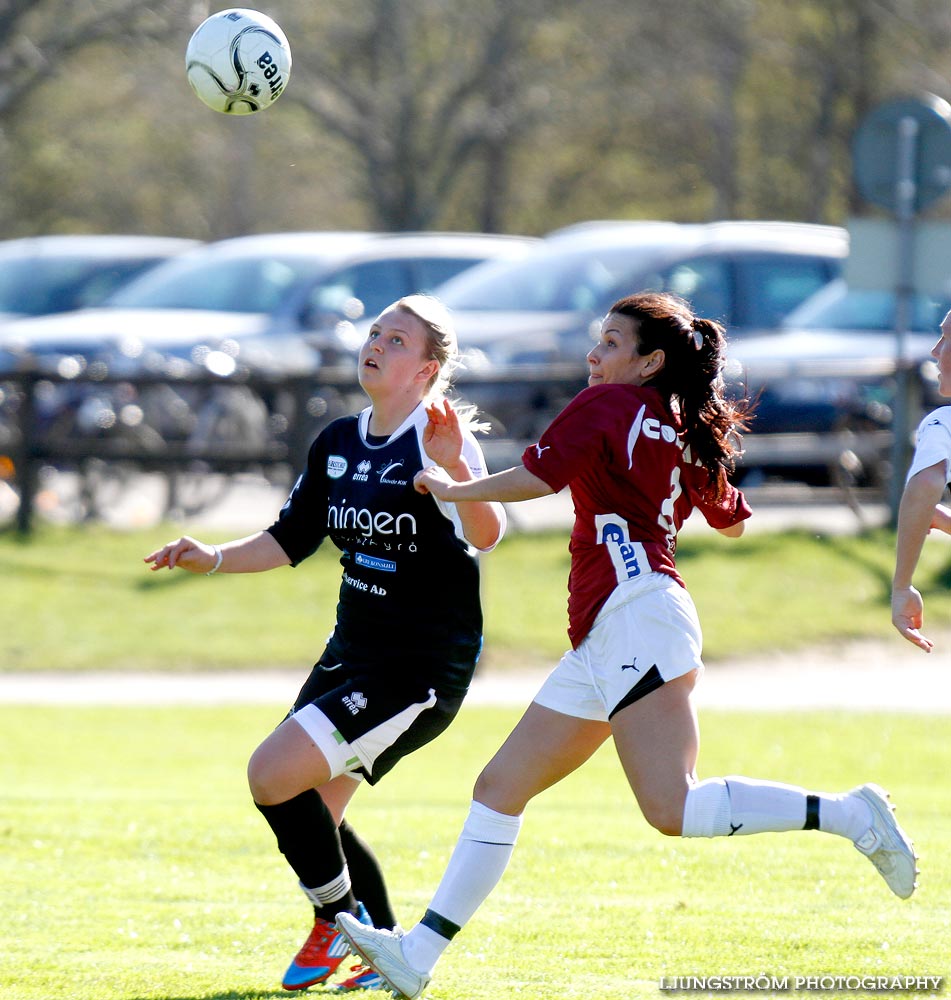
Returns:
(920,509)
(649,440)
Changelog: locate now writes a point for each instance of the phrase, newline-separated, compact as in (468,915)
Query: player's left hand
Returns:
(442,436)
(908,614)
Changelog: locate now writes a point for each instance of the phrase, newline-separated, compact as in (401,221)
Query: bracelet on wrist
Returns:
(218,557)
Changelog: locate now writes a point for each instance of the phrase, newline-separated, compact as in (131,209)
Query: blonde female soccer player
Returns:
(403,651)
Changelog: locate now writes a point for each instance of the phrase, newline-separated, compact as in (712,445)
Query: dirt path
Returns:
(888,674)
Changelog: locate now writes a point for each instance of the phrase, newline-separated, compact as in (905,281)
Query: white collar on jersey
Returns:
(413,420)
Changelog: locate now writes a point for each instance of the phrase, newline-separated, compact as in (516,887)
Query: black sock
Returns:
(307,837)
(366,875)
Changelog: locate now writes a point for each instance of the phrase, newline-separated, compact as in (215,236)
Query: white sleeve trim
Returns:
(472,453)
(933,443)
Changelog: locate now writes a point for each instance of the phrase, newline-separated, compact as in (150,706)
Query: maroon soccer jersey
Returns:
(633,484)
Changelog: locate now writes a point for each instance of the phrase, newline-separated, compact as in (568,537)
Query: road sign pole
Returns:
(906,191)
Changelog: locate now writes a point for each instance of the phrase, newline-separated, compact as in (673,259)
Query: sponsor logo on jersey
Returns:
(374,562)
(352,581)
(363,586)
(539,449)
(355,702)
(340,517)
(336,466)
(628,558)
(385,470)
(649,427)
(361,475)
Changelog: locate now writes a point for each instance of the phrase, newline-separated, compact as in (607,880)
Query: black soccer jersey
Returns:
(410,579)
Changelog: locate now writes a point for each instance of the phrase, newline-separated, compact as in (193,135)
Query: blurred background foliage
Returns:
(499,115)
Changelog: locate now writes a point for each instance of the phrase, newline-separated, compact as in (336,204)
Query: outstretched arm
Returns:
(509,486)
(252,554)
(918,513)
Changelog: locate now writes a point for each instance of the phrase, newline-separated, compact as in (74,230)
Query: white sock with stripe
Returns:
(724,807)
(478,861)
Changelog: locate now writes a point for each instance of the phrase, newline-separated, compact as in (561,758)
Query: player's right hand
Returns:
(432,480)
(186,553)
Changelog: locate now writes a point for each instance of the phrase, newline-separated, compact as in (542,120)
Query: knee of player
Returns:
(261,779)
(485,788)
(495,788)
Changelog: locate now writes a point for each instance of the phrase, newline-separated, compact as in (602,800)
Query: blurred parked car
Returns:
(268,305)
(830,367)
(545,308)
(273,300)
(53,274)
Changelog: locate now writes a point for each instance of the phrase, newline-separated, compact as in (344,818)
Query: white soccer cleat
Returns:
(382,950)
(885,844)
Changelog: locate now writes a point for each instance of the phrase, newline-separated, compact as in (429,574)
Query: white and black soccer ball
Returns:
(238,61)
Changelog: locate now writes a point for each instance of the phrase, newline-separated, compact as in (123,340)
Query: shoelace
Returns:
(319,937)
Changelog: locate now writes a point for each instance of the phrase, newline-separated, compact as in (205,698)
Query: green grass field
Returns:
(82,599)
(135,866)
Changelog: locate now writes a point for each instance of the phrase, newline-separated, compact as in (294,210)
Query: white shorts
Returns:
(647,633)
(361,753)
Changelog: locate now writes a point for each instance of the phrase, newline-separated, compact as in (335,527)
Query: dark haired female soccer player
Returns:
(648,441)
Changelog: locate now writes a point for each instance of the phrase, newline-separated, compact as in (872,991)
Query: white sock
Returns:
(724,807)
(422,948)
(847,815)
(478,861)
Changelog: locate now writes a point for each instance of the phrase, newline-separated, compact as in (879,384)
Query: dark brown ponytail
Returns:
(694,353)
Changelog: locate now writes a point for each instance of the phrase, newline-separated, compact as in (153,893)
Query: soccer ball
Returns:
(238,61)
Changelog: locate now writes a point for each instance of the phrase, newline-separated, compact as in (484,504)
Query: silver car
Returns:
(262,307)
(40,275)
(534,317)
(825,381)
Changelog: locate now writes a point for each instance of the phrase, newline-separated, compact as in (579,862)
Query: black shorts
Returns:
(365,719)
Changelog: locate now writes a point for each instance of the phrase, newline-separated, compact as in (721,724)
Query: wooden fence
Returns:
(154,423)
